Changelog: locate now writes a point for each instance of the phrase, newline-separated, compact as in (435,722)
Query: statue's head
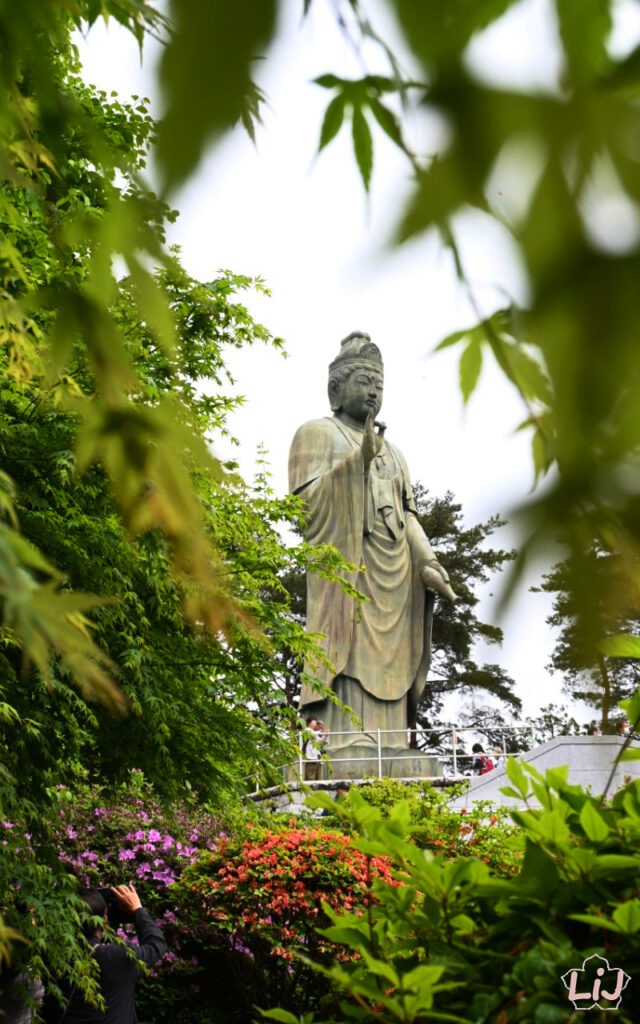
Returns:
(358,358)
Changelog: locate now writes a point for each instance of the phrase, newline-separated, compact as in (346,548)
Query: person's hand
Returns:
(128,897)
(371,442)
(435,578)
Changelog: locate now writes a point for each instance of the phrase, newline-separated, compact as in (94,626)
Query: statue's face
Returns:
(361,394)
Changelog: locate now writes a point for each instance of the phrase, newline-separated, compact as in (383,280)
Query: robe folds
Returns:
(370,517)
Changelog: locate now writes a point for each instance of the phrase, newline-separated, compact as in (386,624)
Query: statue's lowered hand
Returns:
(434,579)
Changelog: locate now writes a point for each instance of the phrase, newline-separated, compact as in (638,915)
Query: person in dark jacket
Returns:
(119,962)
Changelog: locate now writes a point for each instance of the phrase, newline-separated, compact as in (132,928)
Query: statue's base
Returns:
(363,762)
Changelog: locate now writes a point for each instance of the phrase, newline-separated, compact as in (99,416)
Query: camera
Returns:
(117,915)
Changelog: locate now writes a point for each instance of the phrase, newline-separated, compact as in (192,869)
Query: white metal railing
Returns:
(376,738)
(450,755)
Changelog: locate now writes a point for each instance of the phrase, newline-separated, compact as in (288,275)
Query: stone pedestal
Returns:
(359,761)
(362,762)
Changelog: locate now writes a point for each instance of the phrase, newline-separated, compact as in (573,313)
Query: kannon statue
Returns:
(357,491)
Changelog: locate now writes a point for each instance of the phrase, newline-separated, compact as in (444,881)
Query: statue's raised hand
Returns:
(371,442)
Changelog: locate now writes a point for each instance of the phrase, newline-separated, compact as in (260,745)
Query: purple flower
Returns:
(154,836)
(126,855)
(99,812)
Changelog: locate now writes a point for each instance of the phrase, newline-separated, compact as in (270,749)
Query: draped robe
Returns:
(383,643)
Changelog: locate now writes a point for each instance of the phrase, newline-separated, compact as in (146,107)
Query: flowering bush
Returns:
(106,838)
(232,906)
(130,836)
(240,906)
(256,902)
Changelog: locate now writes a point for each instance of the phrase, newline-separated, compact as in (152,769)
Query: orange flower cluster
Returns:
(270,890)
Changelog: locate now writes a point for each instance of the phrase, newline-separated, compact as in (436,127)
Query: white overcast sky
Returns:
(305,226)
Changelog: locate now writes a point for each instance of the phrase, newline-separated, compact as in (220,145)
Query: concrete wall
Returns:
(589,759)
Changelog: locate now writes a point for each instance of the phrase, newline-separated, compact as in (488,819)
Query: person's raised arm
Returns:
(152,943)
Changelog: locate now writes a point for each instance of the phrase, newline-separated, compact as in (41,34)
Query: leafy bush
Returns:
(40,908)
(454,942)
(484,830)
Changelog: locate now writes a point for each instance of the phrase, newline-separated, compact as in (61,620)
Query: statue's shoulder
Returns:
(320,428)
(326,423)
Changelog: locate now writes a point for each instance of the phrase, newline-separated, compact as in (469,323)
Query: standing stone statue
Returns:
(358,494)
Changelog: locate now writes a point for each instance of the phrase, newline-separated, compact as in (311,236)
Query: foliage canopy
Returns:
(579,394)
(570,353)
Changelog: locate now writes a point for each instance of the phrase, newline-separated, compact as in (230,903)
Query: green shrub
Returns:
(484,830)
(448,940)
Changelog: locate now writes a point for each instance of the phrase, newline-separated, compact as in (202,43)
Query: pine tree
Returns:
(593,601)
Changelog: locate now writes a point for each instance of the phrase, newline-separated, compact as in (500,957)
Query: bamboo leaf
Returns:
(362,145)
(470,367)
(332,121)
(329,81)
(585,28)
(210,56)
(387,121)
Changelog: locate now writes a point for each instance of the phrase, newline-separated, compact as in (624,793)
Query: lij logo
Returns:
(595,984)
